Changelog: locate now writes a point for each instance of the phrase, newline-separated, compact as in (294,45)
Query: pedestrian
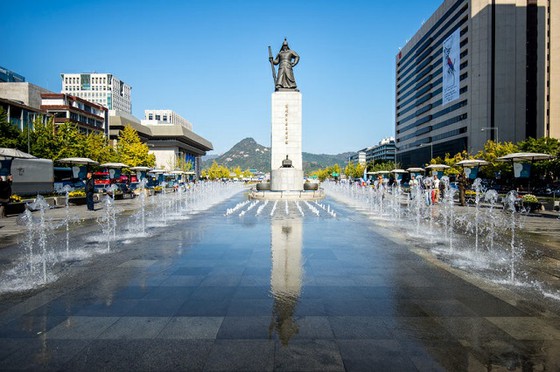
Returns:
(90,188)
(443,184)
(461,184)
(435,189)
(5,193)
(413,184)
(428,189)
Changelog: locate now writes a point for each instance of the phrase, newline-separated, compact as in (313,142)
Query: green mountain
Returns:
(248,154)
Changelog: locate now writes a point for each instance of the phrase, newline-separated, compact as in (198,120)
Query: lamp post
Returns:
(431,149)
(491,128)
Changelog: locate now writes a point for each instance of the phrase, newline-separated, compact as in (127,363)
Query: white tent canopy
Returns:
(114,165)
(415,169)
(15,153)
(525,156)
(472,162)
(77,161)
(437,166)
(140,168)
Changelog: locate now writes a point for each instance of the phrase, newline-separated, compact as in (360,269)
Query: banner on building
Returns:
(451,61)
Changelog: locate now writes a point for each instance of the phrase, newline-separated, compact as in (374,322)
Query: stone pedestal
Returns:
(286,141)
(286,179)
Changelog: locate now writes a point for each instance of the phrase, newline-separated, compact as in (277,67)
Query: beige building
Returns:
(478,70)
(167,142)
(164,117)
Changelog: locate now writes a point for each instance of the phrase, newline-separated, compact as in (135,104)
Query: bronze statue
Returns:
(286,60)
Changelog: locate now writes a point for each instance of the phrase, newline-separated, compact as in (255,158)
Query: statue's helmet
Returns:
(285,44)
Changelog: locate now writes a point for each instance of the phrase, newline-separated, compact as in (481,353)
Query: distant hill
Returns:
(248,154)
(312,162)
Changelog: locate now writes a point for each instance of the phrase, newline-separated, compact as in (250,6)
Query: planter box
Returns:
(15,208)
(81,200)
(533,207)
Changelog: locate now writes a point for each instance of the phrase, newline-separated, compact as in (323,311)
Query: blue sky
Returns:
(208,60)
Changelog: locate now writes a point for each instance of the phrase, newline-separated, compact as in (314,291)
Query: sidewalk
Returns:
(11,230)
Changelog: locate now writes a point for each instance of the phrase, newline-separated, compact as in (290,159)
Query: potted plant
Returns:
(16,205)
(77,197)
(530,201)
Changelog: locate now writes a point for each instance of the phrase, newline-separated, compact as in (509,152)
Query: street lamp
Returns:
(491,128)
(431,149)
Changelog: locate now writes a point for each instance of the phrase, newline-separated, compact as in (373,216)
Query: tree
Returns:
(181,164)
(544,145)
(247,173)
(9,134)
(491,151)
(384,166)
(328,172)
(98,148)
(69,141)
(354,170)
(452,161)
(43,140)
(238,172)
(132,151)
(216,171)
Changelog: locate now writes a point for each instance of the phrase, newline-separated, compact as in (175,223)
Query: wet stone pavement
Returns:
(272,290)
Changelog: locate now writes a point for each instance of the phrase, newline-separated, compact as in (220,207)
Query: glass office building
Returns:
(477,70)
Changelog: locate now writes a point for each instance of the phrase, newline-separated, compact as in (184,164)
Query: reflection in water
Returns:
(286,276)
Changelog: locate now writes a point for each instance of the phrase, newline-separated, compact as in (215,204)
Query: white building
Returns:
(155,117)
(104,89)
(384,151)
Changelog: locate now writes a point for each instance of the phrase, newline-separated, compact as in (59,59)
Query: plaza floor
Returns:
(272,291)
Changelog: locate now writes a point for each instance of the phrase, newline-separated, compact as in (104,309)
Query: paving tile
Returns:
(130,328)
(526,328)
(250,327)
(141,355)
(359,327)
(241,355)
(41,353)
(248,307)
(30,326)
(81,327)
(156,307)
(138,263)
(308,355)
(191,328)
(374,355)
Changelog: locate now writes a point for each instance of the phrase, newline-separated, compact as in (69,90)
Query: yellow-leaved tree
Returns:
(133,152)
(493,150)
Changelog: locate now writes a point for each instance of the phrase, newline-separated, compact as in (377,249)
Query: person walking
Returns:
(427,181)
(461,183)
(5,193)
(413,184)
(90,188)
(435,189)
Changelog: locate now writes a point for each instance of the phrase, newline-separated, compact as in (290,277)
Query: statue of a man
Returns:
(286,60)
